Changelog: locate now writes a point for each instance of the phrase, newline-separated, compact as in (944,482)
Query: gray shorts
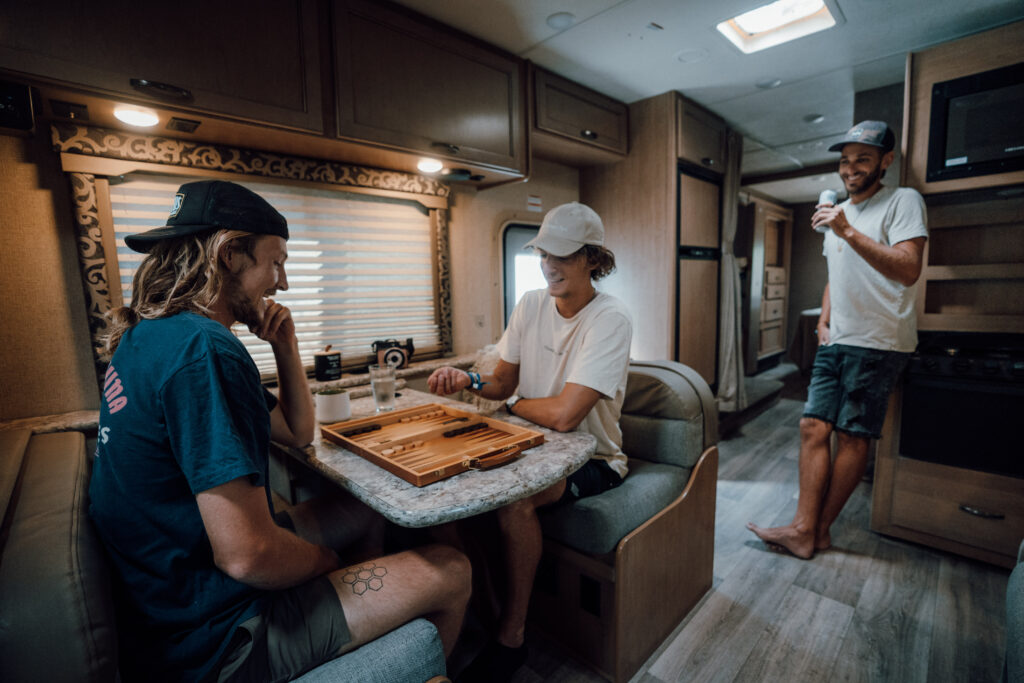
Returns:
(299,628)
(850,387)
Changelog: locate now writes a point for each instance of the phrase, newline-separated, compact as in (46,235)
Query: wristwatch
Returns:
(511,402)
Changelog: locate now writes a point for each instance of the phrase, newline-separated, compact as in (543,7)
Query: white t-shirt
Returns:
(590,349)
(867,308)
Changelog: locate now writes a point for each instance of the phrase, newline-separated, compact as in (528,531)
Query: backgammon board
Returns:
(431,442)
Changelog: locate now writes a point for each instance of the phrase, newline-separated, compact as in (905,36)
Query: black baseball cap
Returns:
(213,205)
(874,133)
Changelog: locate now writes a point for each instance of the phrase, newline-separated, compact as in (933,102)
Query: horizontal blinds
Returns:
(359,267)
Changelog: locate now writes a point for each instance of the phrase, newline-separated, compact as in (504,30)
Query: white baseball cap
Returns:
(567,228)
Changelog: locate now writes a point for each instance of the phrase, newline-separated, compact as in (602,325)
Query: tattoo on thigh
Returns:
(364,577)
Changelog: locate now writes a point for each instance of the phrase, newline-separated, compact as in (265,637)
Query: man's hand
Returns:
(834,217)
(448,380)
(277,326)
(823,334)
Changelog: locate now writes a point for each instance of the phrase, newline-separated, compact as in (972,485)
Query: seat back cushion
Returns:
(596,524)
(56,614)
(664,415)
(411,653)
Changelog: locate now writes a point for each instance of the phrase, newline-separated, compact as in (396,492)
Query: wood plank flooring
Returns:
(869,609)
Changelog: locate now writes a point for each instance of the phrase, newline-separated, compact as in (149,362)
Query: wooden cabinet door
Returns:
(258,61)
(415,86)
(697,322)
(579,114)
(700,136)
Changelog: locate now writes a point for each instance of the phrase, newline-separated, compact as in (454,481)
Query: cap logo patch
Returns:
(179,199)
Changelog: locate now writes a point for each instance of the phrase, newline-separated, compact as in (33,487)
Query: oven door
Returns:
(967,422)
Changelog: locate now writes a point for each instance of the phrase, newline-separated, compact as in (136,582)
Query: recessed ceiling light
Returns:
(692,56)
(136,116)
(814,118)
(561,20)
(769,83)
(429,165)
(779,22)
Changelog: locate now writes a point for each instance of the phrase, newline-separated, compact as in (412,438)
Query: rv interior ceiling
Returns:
(790,101)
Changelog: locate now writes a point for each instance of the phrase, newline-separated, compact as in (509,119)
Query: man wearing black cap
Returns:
(566,348)
(211,586)
(874,244)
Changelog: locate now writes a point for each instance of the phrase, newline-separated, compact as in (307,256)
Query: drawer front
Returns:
(975,508)
(771,310)
(775,291)
(770,340)
(774,275)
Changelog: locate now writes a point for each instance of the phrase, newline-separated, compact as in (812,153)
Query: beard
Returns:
(869,180)
(244,310)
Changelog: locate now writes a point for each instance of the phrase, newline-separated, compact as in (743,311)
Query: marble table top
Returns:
(463,495)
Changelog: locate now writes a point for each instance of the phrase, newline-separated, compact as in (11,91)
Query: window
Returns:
(520,267)
(360,267)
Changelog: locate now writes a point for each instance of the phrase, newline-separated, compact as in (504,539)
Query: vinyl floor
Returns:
(871,608)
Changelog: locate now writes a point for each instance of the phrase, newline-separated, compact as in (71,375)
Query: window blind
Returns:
(360,268)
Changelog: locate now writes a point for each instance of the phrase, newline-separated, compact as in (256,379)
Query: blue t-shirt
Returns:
(183,411)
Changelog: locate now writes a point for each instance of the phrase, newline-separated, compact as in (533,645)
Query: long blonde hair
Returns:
(178,274)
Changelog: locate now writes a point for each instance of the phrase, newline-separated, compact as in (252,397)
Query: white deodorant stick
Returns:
(826,197)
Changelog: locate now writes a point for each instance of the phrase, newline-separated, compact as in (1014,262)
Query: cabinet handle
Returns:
(588,134)
(448,147)
(162,90)
(978,512)
(707,161)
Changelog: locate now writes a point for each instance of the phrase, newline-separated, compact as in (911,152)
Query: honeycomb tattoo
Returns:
(365,577)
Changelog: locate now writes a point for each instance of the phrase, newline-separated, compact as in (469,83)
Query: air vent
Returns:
(182,125)
(69,110)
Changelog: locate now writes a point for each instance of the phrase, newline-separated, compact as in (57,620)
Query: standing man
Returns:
(866,332)
(567,350)
(210,585)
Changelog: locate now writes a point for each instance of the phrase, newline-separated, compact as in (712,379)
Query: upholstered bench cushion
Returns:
(421,658)
(672,442)
(596,524)
(56,614)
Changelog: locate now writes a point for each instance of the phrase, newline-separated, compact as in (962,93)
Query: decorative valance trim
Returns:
(115,144)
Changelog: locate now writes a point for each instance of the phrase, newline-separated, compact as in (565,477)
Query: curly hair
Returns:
(601,259)
(178,274)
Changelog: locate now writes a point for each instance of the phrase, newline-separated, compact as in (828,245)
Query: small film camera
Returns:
(392,352)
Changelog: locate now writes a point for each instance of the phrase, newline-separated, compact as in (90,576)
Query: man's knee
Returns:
(452,569)
(814,430)
(853,443)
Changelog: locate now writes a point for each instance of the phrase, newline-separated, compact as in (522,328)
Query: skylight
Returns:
(776,23)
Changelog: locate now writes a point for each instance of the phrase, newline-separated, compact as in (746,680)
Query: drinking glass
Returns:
(382,380)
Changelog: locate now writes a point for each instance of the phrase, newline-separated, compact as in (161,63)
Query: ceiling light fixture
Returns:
(693,56)
(429,165)
(779,22)
(769,83)
(136,116)
(814,118)
(561,20)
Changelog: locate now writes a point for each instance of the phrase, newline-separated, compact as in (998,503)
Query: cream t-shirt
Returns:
(590,349)
(866,308)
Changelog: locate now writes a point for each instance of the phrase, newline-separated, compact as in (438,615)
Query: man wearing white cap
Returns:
(567,350)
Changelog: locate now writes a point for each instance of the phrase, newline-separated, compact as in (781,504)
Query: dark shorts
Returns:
(850,387)
(298,629)
(596,476)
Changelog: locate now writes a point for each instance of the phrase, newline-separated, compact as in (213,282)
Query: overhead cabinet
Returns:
(406,83)
(574,124)
(257,63)
(700,136)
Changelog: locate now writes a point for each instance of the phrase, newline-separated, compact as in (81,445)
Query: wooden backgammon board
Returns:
(432,442)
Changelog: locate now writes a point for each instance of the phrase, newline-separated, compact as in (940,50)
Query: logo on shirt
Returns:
(113,391)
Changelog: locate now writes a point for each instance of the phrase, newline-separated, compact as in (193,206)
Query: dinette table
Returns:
(463,495)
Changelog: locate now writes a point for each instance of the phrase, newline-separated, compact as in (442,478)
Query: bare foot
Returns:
(823,541)
(789,537)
